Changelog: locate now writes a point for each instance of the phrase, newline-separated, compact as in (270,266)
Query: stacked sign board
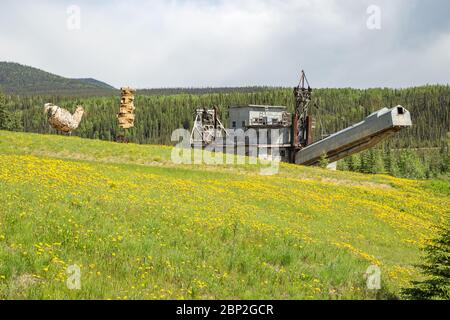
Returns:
(126,114)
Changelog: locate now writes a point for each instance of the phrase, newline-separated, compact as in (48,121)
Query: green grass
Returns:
(141,227)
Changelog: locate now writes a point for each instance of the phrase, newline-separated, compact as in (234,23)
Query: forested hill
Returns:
(203,91)
(24,80)
(334,109)
(160,111)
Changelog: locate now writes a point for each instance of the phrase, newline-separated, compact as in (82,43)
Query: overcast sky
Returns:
(198,43)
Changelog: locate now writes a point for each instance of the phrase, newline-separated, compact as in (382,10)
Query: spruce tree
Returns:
(436,270)
(4,114)
(323,162)
(446,161)
(377,160)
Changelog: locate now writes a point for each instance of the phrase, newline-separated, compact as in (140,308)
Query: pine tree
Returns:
(446,161)
(323,162)
(9,120)
(411,166)
(378,163)
(436,269)
(366,162)
(4,114)
(355,163)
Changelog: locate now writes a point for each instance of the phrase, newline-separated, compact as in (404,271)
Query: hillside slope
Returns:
(139,226)
(24,80)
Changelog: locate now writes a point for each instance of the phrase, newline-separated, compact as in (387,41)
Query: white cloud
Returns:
(227,43)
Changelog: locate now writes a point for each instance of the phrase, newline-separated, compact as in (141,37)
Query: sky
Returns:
(216,43)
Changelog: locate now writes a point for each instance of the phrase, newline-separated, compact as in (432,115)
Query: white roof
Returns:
(257,106)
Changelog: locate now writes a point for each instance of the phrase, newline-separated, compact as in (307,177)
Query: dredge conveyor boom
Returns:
(361,136)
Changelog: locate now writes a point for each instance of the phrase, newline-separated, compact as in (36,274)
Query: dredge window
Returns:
(400,110)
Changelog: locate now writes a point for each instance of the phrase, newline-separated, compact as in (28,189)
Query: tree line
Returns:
(424,146)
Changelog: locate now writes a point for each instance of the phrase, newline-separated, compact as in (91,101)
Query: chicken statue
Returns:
(61,119)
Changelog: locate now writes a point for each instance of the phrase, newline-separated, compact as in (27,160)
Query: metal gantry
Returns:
(302,122)
(207,127)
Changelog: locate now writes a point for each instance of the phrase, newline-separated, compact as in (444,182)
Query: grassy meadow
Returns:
(141,227)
